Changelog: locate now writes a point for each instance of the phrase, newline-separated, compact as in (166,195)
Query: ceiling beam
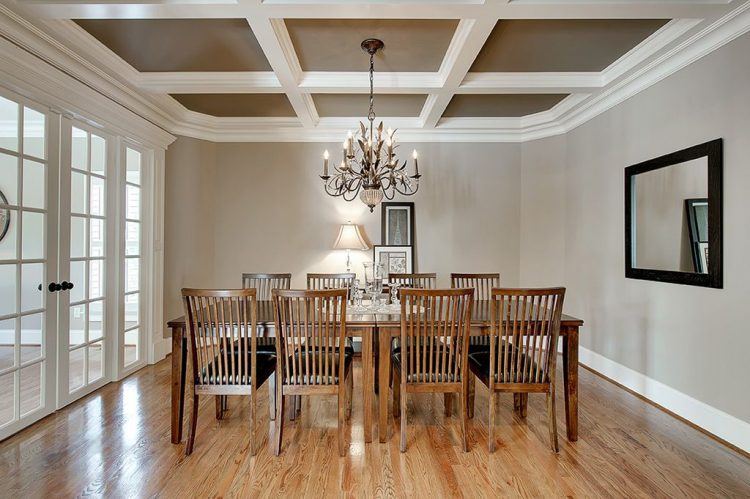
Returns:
(209,82)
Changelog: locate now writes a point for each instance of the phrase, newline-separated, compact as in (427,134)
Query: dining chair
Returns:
(222,342)
(331,281)
(263,284)
(433,356)
(311,352)
(421,281)
(525,325)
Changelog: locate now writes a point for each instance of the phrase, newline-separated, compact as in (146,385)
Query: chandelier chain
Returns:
(371,114)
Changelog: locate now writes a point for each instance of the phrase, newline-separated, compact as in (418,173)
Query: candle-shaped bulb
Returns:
(414,154)
(325,154)
(416,164)
(325,163)
(389,131)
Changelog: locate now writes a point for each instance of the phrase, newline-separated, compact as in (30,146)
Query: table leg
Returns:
(367,385)
(570,378)
(384,342)
(179,362)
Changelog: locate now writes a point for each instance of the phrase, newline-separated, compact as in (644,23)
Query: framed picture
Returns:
(395,259)
(397,224)
(4,217)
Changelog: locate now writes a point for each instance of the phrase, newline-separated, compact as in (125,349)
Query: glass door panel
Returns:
(132,341)
(27,307)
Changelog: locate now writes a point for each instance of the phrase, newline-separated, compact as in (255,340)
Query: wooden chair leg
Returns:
(402,445)
(192,426)
(396,393)
(279,423)
(272,396)
(224,403)
(342,421)
(552,420)
(253,415)
(292,407)
(464,417)
(447,399)
(349,394)
(491,427)
(470,395)
(521,404)
(219,406)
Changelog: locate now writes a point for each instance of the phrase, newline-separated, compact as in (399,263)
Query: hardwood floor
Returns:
(115,443)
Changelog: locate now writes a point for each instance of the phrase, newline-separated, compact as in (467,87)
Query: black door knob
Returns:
(53,286)
(66,285)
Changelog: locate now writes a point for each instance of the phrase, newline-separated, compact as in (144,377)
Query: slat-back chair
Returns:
(433,356)
(221,327)
(481,283)
(525,325)
(331,281)
(312,360)
(264,283)
(419,281)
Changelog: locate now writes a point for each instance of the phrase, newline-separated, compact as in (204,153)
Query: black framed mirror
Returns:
(673,217)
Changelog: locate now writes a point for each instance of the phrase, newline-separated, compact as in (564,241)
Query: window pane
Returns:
(133,199)
(132,266)
(7,289)
(132,238)
(77,237)
(131,346)
(75,369)
(98,205)
(32,240)
(32,336)
(79,149)
(78,278)
(98,155)
(77,325)
(31,388)
(96,279)
(8,178)
(96,319)
(33,184)
(7,397)
(133,161)
(33,133)
(78,192)
(96,354)
(7,343)
(32,276)
(131,310)
(8,224)
(96,238)
(9,121)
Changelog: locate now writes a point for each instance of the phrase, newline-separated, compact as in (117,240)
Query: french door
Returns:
(72,230)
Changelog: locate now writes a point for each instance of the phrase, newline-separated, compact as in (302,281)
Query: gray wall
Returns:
(693,339)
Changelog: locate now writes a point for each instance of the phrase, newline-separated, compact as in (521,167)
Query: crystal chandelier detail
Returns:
(369,167)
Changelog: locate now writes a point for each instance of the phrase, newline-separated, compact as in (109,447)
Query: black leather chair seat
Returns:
(318,357)
(266,364)
(423,378)
(479,362)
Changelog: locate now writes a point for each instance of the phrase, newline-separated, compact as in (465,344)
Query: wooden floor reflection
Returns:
(115,443)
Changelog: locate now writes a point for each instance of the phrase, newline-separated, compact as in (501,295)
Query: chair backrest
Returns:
(434,334)
(221,327)
(264,283)
(482,284)
(310,335)
(419,281)
(526,322)
(331,281)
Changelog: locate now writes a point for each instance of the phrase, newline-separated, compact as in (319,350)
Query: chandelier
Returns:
(370,167)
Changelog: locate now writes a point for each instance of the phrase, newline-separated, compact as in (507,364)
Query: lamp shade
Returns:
(351,237)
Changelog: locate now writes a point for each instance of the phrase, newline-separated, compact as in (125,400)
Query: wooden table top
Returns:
(480,316)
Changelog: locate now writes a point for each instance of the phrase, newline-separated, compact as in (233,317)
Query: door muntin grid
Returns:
(24,182)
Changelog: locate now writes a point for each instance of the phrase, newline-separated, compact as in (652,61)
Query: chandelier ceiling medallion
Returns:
(372,169)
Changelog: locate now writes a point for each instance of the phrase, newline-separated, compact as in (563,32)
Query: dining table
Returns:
(376,328)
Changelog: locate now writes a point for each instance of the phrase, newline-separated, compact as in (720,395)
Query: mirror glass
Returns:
(670,218)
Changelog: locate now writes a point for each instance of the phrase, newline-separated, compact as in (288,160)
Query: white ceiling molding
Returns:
(699,26)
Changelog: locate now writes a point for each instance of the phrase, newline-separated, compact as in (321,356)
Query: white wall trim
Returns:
(719,423)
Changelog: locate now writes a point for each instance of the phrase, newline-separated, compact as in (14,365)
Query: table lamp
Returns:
(351,237)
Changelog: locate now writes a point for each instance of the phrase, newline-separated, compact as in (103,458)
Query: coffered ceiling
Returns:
(492,70)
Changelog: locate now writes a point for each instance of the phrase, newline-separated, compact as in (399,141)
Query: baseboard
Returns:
(719,424)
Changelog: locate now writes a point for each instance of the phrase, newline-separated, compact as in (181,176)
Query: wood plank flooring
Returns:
(115,443)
